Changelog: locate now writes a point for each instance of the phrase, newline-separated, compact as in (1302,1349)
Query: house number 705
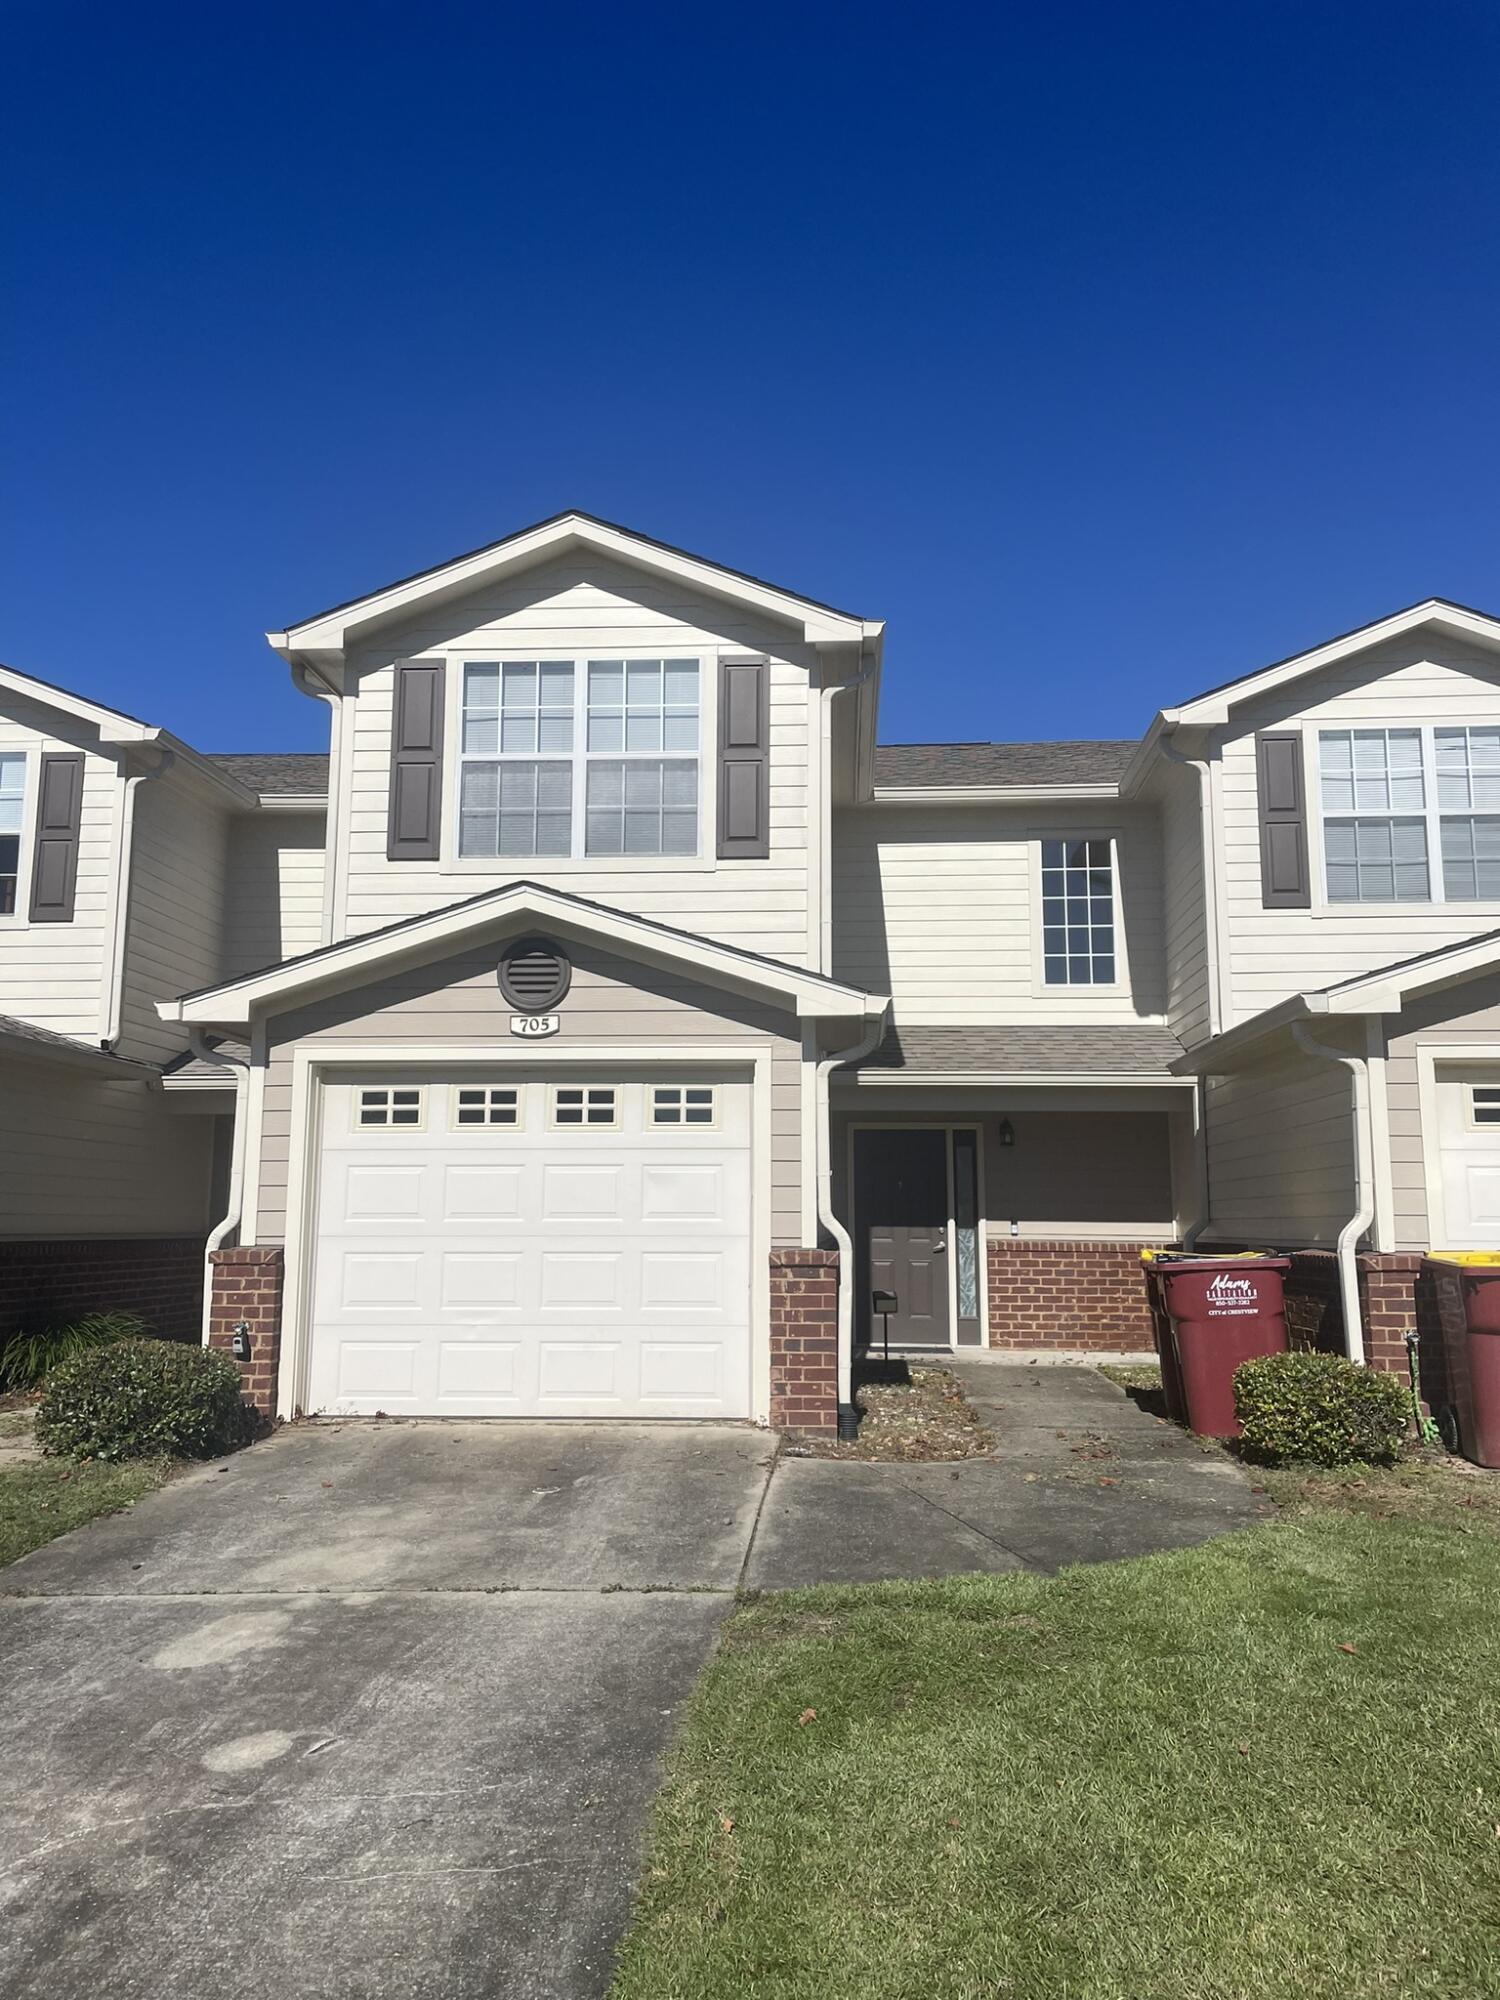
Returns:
(532,1027)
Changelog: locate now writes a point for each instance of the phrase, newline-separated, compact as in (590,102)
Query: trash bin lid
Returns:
(1208,1260)
(1470,1259)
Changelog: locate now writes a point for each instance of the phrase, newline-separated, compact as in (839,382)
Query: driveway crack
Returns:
(983,1533)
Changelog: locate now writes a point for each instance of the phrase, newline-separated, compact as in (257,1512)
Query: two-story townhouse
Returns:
(653,993)
(644,1038)
(129,865)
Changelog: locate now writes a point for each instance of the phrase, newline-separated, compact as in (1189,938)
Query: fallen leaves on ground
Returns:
(927,1417)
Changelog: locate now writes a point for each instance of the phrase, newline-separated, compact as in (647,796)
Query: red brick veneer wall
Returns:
(1394,1295)
(247,1288)
(805,1341)
(1067,1294)
(48,1282)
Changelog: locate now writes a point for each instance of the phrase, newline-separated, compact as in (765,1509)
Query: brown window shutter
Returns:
(1284,880)
(744,760)
(414,829)
(59,815)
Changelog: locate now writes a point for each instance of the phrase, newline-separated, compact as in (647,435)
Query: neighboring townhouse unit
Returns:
(639,1039)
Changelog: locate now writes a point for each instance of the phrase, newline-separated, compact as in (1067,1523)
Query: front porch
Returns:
(1008,1215)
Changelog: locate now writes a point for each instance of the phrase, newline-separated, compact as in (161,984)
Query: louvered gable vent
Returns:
(534,974)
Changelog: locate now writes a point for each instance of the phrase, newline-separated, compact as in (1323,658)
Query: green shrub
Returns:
(144,1399)
(30,1357)
(1320,1409)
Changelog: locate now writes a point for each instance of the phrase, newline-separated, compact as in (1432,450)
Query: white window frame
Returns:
(1432,816)
(583,1123)
(516,1093)
(576,860)
(19,915)
(1121,981)
(682,1123)
(387,1124)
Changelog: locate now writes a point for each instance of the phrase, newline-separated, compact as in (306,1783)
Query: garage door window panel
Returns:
(595,1105)
(486,1105)
(683,1104)
(389,1107)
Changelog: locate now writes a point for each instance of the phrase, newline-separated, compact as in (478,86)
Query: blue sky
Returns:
(1106,351)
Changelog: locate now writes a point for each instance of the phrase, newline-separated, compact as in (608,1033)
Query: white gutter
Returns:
(830,1221)
(221,1059)
(1364,1187)
(308,683)
(1210,879)
(112,1023)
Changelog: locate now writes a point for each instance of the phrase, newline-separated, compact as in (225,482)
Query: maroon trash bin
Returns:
(1468,1290)
(1223,1311)
(1161,1332)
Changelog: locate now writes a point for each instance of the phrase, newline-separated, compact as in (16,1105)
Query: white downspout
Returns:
(222,1059)
(1208,862)
(308,683)
(854,1053)
(863,1047)
(825,831)
(1364,1187)
(112,1023)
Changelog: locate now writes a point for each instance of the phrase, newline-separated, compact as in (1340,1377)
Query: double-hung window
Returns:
(12,806)
(1078,911)
(579,757)
(1410,815)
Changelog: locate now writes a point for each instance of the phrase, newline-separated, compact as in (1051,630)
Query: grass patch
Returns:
(1261,1768)
(39,1502)
(1132,1374)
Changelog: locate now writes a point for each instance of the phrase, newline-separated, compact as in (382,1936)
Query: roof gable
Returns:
(352,961)
(1212,708)
(329,632)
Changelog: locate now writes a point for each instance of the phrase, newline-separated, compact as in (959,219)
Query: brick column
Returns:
(247,1287)
(805,1341)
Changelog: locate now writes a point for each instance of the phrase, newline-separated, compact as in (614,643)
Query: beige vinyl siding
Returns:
(1424,679)
(1447,1021)
(1186,916)
(587,608)
(175,930)
(274,906)
(81,1155)
(937,905)
(609,1002)
(1280,1153)
(53,974)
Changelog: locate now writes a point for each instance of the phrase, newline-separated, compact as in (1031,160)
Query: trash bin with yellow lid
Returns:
(1224,1310)
(1467,1284)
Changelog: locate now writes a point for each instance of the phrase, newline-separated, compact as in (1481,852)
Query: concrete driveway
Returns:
(377,1709)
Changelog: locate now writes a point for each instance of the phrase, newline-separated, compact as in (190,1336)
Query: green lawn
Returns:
(1261,1769)
(47,1498)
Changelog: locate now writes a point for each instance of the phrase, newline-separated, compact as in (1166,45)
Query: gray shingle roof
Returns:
(281,771)
(12,1029)
(1130,1050)
(1073,763)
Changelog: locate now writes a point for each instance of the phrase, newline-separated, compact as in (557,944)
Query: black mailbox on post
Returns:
(885,1303)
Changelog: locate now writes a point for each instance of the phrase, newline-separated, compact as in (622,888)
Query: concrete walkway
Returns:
(1079,1473)
(377,1710)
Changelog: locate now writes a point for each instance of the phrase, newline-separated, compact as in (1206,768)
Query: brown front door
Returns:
(901,1233)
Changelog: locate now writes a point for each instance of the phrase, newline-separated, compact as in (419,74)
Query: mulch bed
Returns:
(924,1417)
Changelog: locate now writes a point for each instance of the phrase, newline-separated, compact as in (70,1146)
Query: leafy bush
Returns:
(1320,1409)
(144,1399)
(30,1357)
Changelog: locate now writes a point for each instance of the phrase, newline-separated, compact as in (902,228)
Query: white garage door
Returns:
(1468,1098)
(489,1244)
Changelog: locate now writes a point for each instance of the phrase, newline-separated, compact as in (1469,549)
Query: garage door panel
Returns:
(530,1270)
(479,1281)
(492,1193)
